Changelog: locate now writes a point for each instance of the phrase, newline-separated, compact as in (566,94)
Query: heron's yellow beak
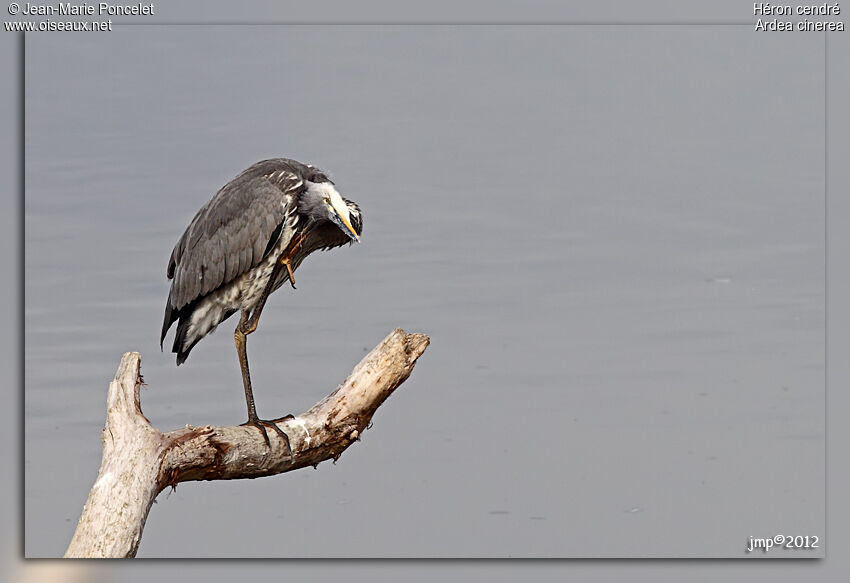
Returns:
(341,219)
(351,232)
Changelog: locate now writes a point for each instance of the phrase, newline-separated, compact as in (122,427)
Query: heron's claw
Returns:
(288,265)
(261,425)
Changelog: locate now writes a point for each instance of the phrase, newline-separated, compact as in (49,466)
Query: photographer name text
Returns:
(85,9)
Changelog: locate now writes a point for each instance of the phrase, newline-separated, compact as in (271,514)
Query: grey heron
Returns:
(245,243)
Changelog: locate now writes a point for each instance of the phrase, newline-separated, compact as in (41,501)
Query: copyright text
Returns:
(84,9)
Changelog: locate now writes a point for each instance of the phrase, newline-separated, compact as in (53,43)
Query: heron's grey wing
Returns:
(230,234)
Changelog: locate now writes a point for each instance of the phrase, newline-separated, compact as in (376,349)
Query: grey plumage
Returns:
(225,257)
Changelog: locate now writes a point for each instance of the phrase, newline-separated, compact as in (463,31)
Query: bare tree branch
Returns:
(139,461)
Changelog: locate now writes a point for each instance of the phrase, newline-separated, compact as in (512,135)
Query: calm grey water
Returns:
(613,235)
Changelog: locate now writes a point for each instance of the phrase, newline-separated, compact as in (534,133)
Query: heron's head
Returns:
(328,204)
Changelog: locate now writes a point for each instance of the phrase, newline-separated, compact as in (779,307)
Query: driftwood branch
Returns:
(139,461)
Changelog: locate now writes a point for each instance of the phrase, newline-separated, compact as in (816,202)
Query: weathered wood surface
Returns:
(139,461)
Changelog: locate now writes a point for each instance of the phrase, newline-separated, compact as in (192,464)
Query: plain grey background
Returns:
(720,280)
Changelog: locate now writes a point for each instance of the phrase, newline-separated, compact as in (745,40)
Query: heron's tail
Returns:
(180,346)
(170,316)
(194,322)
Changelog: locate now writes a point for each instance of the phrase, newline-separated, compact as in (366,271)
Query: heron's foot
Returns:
(261,425)
(285,261)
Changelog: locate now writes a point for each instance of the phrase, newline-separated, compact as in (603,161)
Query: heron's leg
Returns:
(248,324)
(241,349)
